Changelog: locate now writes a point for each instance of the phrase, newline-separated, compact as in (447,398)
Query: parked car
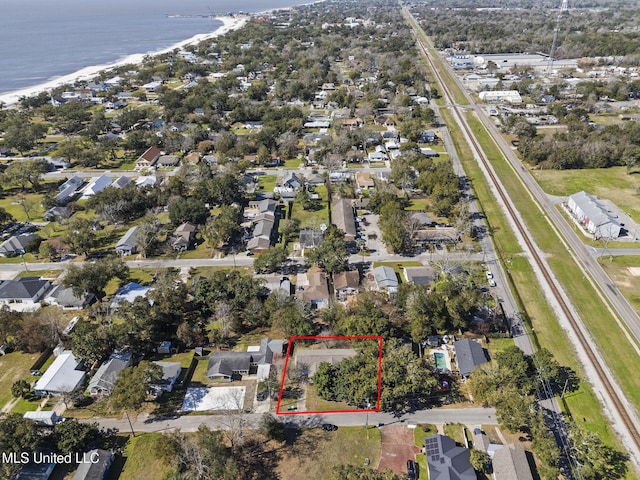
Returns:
(489,275)
(328,427)
(492,282)
(411,469)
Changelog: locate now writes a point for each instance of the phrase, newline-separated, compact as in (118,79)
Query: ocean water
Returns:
(44,39)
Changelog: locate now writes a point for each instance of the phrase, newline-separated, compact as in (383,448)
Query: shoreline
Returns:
(88,73)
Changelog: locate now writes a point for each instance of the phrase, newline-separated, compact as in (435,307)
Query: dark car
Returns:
(328,427)
(411,469)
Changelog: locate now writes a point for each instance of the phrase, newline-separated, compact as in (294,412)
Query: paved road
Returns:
(190,423)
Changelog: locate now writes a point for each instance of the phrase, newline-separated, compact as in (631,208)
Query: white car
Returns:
(489,275)
(492,282)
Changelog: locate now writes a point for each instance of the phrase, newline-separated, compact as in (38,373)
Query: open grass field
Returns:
(611,183)
(316,404)
(14,366)
(315,452)
(141,459)
(625,272)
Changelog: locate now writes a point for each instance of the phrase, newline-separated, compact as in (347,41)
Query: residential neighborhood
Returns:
(276,253)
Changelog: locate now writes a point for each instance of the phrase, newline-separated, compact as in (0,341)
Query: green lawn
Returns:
(398,266)
(610,183)
(419,435)
(142,460)
(316,404)
(14,366)
(267,182)
(21,205)
(618,268)
(315,452)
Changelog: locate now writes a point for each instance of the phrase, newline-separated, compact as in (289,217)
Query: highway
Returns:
(620,411)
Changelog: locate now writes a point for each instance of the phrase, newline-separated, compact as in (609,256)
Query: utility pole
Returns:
(563,8)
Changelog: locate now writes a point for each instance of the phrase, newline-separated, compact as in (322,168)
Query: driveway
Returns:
(397,448)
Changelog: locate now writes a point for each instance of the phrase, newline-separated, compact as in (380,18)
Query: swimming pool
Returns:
(441,361)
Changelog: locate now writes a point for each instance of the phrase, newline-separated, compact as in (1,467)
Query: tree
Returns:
(23,136)
(221,229)
(272,428)
(20,389)
(72,436)
(147,234)
(46,250)
(188,210)
(17,434)
(479,460)
(331,255)
(596,461)
(270,260)
(133,386)
(200,456)
(93,277)
(81,236)
(89,342)
(25,173)
(5,217)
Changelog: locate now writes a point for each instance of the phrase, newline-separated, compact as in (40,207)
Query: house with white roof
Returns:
(63,376)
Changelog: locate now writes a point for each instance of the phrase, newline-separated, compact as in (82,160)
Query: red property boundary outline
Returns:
(337,337)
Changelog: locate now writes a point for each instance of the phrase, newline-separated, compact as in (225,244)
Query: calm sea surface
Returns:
(42,39)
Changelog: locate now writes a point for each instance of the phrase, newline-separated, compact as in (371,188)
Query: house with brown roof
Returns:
(182,237)
(148,159)
(343,218)
(364,181)
(346,284)
(316,290)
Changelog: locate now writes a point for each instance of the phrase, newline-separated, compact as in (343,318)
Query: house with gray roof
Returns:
(386,279)
(127,244)
(104,380)
(23,294)
(56,214)
(469,354)
(66,299)
(310,358)
(446,460)
(420,275)
(68,190)
(257,359)
(170,373)
(96,465)
(96,185)
(17,244)
(510,462)
(121,182)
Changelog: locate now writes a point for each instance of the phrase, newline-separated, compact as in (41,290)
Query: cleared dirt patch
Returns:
(397,447)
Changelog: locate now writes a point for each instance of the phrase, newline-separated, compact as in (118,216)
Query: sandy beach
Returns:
(228,24)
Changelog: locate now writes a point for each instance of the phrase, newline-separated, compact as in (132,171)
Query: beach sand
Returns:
(228,24)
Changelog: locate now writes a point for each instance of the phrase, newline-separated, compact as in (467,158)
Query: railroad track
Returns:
(575,323)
